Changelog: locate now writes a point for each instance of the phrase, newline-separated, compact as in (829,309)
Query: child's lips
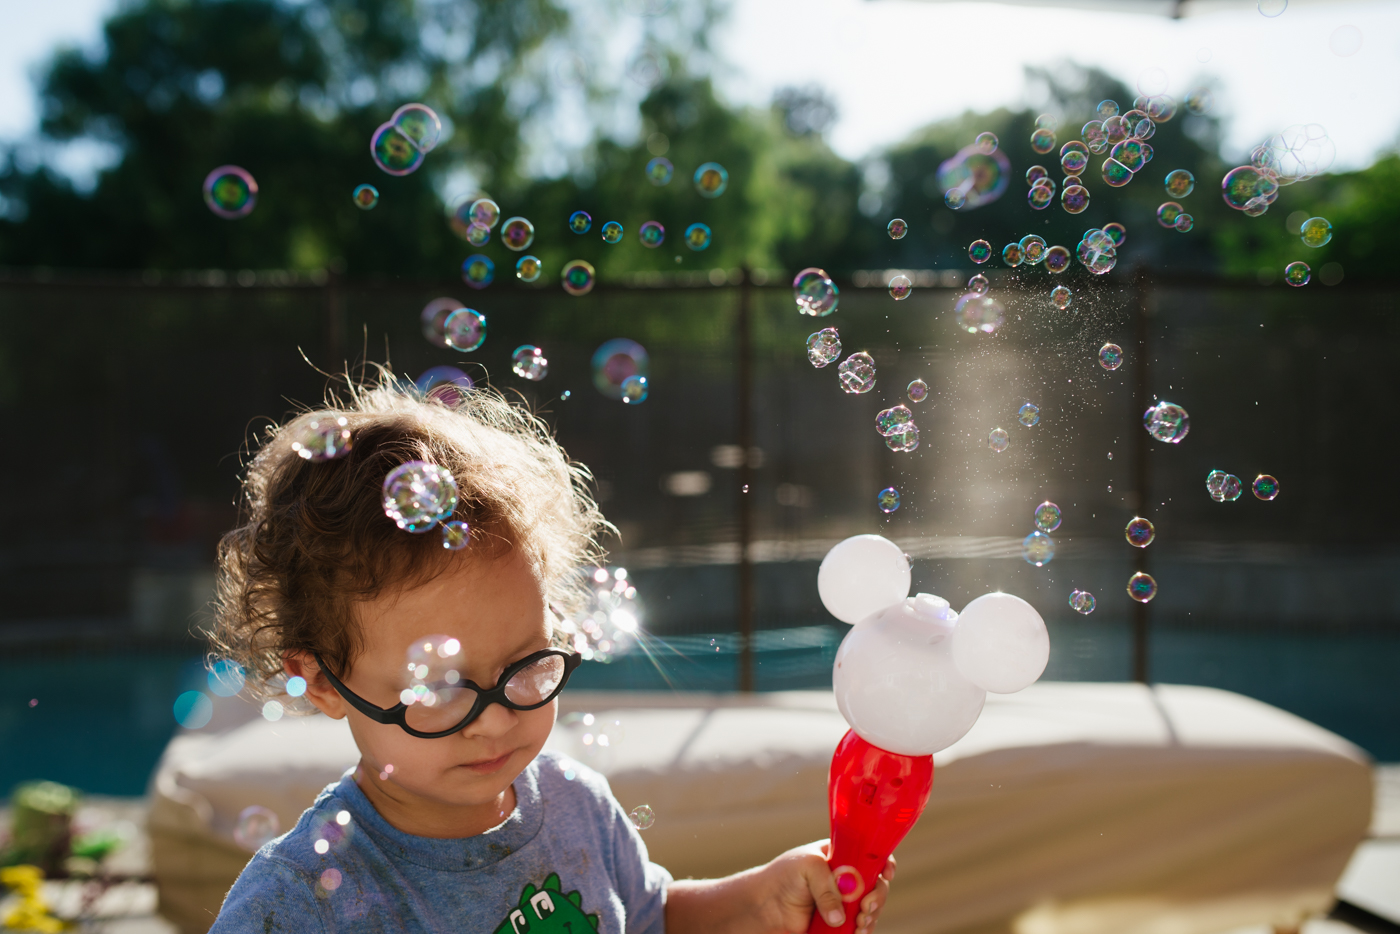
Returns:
(487,766)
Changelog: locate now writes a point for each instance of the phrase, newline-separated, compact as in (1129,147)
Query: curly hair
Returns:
(313,538)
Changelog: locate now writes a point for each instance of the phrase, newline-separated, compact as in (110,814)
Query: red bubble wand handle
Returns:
(875,798)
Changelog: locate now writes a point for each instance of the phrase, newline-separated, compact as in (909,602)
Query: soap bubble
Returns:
(456,535)
(1032,249)
(1056,259)
(1097,255)
(697,236)
(893,419)
(1115,173)
(393,152)
(888,500)
(1061,296)
(823,347)
(1200,101)
(900,288)
(1316,231)
(330,880)
(857,373)
(193,709)
(365,197)
(1097,239)
(634,389)
(1345,41)
(1139,532)
(904,439)
(955,198)
(527,268)
(478,234)
(580,222)
(1184,222)
(1297,273)
(862,575)
(483,211)
(257,826)
(1167,213)
(1042,140)
(612,232)
(1132,155)
(1011,254)
(998,439)
(1244,184)
(642,817)
(976,177)
(1141,587)
(978,284)
(478,271)
(652,234)
(1074,199)
(1040,196)
(711,179)
(419,125)
(230,192)
(528,362)
(659,171)
(1230,488)
(1081,601)
(436,700)
(517,234)
(1000,643)
(323,438)
(1106,109)
(1265,487)
(1256,206)
(979,313)
(465,330)
(986,143)
(226,677)
(1038,548)
(1215,485)
(1110,356)
(1115,130)
(918,391)
(1160,107)
(434,383)
(272,711)
(897,228)
(1140,126)
(1035,174)
(417,495)
(577,277)
(616,360)
(815,293)
(1047,516)
(1180,183)
(1028,414)
(1167,422)
(1116,233)
(1074,162)
(1272,8)
(979,252)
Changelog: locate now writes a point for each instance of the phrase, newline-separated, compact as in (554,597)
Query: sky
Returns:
(894,66)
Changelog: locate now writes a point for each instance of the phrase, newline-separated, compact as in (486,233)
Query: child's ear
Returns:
(318,689)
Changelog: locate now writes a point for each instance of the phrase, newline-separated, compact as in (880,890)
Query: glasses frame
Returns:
(398,714)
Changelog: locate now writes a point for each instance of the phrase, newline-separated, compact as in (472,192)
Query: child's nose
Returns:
(495,720)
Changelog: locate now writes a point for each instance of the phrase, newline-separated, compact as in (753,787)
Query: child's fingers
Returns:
(822,884)
(889,869)
(874,900)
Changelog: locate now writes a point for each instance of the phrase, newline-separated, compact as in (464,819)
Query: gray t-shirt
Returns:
(566,861)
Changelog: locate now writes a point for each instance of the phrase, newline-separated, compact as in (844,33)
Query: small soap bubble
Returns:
(1230,488)
(1074,199)
(478,271)
(577,277)
(1265,487)
(1040,196)
(900,288)
(1167,422)
(979,313)
(1200,101)
(1107,109)
(1316,231)
(1141,587)
(697,237)
(1060,297)
(1047,122)
(417,495)
(1081,601)
(918,391)
(1116,233)
(815,293)
(1139,532)
(230,192)
(465,330)
(642,817)
(1074,162)
(888,500)
(634,389)
(1038,548)
(193,709)
(1184,222)
(1057,259)
(1028,414)
(478,234)
(1167,213)
(1011,254)
(979,252)
(1035,174)
(272,711)
(1180,183)
(517,234)
(616,360)
(1215,485)
(323,438)
(257,826)
(580,222)
(393,152)
(1247,188)
(456,535)
(612,232)
(985,143)
(905,439)
(1110,357)
(893,419)
(483,211)
(897,228)
(711,179)
(419,125)
(998,439)
(528,268)
(1115,173)
(955,198)
(1042,140)
(857,373)
(1272,8)
(652,234)
(1047,516)
(659,171)
(226,677)
(823,347)
(296,686)
(978,284)
(1033,249)
(528,362)
(365,197)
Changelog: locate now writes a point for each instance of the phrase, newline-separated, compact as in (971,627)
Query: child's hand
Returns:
(800,881)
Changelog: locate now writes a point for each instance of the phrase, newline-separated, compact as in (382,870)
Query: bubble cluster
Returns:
(1166,422)
(893,419)
(1038,548)
(580,222)
(528,268)
(711,180)
(1249,189)
(365,197)
(917,390)
(1265,487)
(616,361)
(897,228)
(1033,249)
(815,293)
(977,313)
(612,232)
(1060,297)
(823,347)
(1223,487)
(1047,516)
(517,234)
(231,192)
(1139,532)
(1316,232)
(697,236)
(478,271)
(417,495)
(979,252)
(998,439)
(1297,273)
(1180,183)
(901,288)
(605,625)
(1142,587)
(887,499)
(1110,356)
(398,146)
(905,439)
(1081,601)
(528,362)
(577,277)
(659,171)
(1028,414)
(1096,252)
(323,438)
(857,373)
(464,330)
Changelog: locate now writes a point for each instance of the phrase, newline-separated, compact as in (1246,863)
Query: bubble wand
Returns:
(910,678)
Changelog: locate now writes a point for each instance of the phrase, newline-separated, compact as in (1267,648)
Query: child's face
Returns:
(496,609)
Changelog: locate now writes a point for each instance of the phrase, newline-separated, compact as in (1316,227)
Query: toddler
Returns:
(453,820)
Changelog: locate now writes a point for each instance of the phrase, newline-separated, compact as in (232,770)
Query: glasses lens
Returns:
(536,682)
(440,709)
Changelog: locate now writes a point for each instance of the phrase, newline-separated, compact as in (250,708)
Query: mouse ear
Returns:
(863,575)
(1000,643)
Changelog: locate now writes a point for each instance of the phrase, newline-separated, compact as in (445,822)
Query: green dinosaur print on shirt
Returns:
(548,910)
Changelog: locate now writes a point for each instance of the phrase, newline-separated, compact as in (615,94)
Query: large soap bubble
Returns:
(862,575)
(616,361)
(1000,643)
(979,177)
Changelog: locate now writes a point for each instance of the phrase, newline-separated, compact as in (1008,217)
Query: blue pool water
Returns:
(101,721)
